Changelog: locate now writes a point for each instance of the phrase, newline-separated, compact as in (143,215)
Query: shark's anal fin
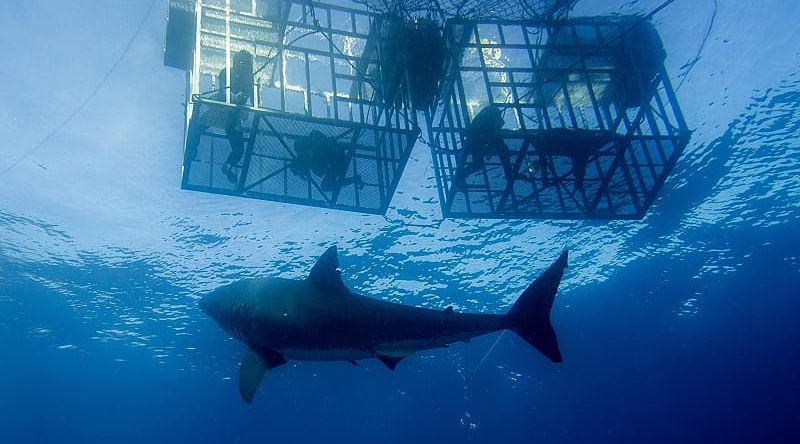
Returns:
(354,362)
(256,364)
(390,361)
(325,274)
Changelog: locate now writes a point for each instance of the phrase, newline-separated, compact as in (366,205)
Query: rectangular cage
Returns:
(305,117)
(568,120)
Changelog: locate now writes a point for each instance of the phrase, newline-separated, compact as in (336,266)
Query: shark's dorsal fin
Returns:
(325,274)
(449,309)
(253,368)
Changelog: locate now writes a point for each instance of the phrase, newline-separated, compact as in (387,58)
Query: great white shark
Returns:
(319,319)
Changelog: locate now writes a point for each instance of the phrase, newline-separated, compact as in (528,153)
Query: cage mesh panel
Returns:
(316,69)
(377,154)
(583,76)
(476,9)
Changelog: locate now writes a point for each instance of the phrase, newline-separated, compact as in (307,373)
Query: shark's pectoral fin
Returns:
(391,360)
(251,372)
(256,364)
(354,362)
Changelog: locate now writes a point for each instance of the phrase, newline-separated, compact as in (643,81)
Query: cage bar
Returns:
(312,125)
(586,124)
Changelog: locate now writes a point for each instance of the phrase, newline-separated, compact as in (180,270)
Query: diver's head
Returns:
(242,60)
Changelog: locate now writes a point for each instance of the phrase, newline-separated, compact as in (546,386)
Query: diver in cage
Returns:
(481,139)
(576,143)
(325,158)
(241,93)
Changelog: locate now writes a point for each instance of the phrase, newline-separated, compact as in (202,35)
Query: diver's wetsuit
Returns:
(241,93)
(325,158)
(483,139)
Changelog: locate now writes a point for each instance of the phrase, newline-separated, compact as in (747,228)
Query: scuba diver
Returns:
(326,159)
(481,139)
(576,143)
(241,92)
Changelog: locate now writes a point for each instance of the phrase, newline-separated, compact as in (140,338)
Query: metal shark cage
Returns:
(582,119)
(307,116)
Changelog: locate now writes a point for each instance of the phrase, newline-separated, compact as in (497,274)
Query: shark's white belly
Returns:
(393,348)
(326,354)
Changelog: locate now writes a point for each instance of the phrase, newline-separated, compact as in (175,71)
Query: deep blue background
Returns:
(633,372)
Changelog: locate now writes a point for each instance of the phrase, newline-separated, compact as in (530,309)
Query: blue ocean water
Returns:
(681,327)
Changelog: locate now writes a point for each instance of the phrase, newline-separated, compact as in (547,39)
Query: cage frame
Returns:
(451,109)
(394,132)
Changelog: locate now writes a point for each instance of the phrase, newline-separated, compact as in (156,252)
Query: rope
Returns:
(400,112)
(86,101)
(488,352)
(271,58)
(473,9)
(696,59)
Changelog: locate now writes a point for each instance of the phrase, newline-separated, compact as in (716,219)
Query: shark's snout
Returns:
(205,304)
(211,304)
(220,306)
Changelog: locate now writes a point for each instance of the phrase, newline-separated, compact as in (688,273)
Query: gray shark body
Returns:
(319,319)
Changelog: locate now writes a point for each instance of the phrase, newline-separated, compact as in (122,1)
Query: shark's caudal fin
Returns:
(530,315)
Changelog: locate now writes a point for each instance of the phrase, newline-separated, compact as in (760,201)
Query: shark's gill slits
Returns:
(239,320)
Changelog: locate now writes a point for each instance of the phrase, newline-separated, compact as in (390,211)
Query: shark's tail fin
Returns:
(530,315)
